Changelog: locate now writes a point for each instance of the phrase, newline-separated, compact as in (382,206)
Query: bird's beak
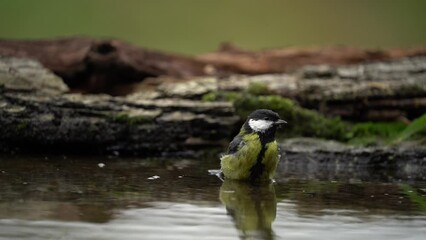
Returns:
(280,122)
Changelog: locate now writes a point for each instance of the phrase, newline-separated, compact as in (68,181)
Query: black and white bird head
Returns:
(262,121)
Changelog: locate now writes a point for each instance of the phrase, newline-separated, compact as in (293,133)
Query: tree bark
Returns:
(381,91)
(111,66)
(101,66)
(237,60)
(39,118)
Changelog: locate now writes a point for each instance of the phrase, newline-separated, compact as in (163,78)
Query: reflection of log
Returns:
(39,116)
(111,66)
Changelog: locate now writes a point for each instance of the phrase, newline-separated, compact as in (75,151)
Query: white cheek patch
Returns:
(260,125)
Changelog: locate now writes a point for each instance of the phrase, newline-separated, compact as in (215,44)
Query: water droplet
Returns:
(153,177)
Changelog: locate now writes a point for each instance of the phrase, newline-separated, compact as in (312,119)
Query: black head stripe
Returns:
(264,113)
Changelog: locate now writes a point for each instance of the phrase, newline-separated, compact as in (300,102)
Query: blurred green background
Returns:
(198,26)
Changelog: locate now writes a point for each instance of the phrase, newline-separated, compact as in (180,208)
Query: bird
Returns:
(253,154)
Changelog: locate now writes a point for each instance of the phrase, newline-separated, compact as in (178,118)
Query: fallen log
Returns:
(389,90)
(90,65)
(41,116)
(237,60)
(381,91)
(111,66)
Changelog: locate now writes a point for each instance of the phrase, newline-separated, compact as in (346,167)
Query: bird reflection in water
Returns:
(251,206)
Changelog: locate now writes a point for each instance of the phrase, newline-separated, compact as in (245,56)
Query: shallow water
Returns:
(60,197)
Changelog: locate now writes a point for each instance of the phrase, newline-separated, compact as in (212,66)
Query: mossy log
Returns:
(37,113)
(380,91)
(376,91)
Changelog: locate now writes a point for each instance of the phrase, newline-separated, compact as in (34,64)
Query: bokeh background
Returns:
(199,26)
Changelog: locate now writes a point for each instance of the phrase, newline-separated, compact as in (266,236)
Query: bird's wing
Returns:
(235,144)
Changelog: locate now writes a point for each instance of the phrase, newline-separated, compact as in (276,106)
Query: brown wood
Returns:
(101,66)
(36,114)
(237,60)
(111,66)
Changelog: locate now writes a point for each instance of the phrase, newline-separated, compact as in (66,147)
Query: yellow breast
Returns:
(238,165)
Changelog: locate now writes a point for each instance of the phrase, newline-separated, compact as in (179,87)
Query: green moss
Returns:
(417,127)
(123,117)
(220,96)
(209,97)
(387,132)
(373,133)
(258,89)
(302,122)
(309,123)
(21,126)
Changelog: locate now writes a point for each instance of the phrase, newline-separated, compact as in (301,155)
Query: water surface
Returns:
(64,197)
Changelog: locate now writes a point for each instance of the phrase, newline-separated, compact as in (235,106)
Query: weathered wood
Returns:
(237,60)
(32,118)
(373,91)
(27,76)
(102,66)
(383,91)
(90,65)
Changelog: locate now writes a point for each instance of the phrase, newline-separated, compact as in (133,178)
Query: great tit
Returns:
(253,154)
